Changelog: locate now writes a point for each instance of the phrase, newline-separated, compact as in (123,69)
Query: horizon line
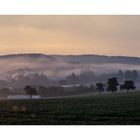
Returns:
(67,54)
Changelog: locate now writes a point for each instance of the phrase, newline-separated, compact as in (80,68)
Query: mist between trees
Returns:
(73,84)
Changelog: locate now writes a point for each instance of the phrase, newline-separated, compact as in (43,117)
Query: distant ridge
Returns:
(19,55)
(100,58)
(83,58)
(30,55)
(64,55)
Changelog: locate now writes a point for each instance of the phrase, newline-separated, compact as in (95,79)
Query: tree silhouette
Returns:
(100,87)
(128,85)
(112,84)
(30,91)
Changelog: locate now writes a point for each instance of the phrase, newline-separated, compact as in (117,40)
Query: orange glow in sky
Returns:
(108,35)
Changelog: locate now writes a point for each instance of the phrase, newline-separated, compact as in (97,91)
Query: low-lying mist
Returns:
(53,68)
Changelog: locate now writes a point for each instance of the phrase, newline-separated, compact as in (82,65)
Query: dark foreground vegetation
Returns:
(108,109)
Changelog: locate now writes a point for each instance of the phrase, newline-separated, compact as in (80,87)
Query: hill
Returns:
(98,59)
(89,58)
(59,66)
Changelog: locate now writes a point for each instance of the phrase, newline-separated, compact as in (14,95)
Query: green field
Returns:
(118,108)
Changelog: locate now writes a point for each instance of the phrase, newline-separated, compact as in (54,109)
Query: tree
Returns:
(30,91)
(128,85)
(100,87)
(112,84)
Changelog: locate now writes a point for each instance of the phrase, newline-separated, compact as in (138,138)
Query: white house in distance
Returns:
(17,97)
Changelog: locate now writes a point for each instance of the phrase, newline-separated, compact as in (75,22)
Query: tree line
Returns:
(112,86)
(90,77)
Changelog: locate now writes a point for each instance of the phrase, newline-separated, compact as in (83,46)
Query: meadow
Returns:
(107,109)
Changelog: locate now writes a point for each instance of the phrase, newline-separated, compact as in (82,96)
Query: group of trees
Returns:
(55,91)
(113,85)
(127,75)
(90,77)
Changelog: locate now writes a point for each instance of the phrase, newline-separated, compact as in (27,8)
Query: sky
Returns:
(103,35)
